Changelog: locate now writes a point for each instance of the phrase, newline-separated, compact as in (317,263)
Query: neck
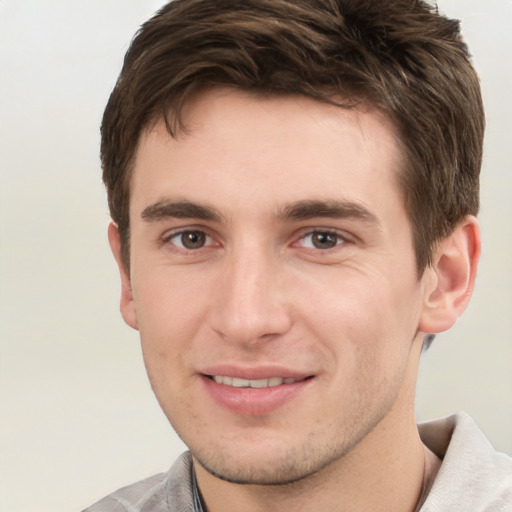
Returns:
(385,471)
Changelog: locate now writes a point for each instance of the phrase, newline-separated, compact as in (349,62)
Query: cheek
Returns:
(360,299)
(168,312)
(366,320)
(167,298)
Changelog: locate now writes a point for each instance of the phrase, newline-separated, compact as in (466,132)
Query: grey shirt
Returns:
(473,477)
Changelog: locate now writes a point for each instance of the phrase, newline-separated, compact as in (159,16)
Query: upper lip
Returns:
(254,372)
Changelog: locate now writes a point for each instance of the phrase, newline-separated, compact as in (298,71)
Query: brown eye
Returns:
(324,240)
(321,240)
(189,239)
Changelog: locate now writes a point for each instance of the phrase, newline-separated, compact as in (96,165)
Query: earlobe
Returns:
(128,308)
(451,277)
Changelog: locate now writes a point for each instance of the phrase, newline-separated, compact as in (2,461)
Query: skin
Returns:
(233,272)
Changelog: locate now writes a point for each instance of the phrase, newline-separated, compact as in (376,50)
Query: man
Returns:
(293,188)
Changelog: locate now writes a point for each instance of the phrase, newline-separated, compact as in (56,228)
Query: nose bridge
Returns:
(251,305)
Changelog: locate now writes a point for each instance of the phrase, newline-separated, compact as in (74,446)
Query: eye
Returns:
(321,240)
(190,239)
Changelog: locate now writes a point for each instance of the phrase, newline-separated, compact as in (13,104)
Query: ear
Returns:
(451,277)
(128,308)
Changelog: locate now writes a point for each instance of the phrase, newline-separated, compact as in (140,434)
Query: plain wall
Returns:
(78,418)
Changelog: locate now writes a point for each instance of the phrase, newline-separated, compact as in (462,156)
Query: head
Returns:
(292,186)
(402,57)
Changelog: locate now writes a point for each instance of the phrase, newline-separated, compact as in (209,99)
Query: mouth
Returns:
(255,397)
(237,382)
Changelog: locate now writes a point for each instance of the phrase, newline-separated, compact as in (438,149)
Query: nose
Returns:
(251,305)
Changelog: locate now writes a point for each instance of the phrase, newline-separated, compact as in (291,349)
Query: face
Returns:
(273,281)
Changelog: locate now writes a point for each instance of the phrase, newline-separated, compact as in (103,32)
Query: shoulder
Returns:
(473,476)
(164,492)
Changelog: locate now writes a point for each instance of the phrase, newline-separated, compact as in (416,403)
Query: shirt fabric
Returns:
(473,477)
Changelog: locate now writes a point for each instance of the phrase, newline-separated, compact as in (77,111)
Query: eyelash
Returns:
(340,238)
(208,241)
(168,239)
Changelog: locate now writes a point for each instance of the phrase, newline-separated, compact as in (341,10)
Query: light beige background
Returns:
(78,418)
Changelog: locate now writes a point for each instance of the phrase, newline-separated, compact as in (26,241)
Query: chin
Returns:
(273,467)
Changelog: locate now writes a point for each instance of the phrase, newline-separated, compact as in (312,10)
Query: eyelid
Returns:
(343,236)
(167,237)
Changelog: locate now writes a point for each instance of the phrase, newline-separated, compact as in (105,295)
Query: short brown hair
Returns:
(401,56)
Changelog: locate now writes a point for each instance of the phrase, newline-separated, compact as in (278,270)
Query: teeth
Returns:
(259,383)
(240,383)
(253,383)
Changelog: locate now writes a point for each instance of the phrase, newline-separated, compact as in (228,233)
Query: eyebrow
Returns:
(300,210)
(180,210)
(336,209)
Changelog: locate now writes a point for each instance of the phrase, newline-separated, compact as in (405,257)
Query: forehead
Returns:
(280,148)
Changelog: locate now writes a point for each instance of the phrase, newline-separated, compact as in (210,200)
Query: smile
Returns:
(237,382)
(255,397)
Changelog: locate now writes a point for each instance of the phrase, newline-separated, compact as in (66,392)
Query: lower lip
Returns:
(254,401)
